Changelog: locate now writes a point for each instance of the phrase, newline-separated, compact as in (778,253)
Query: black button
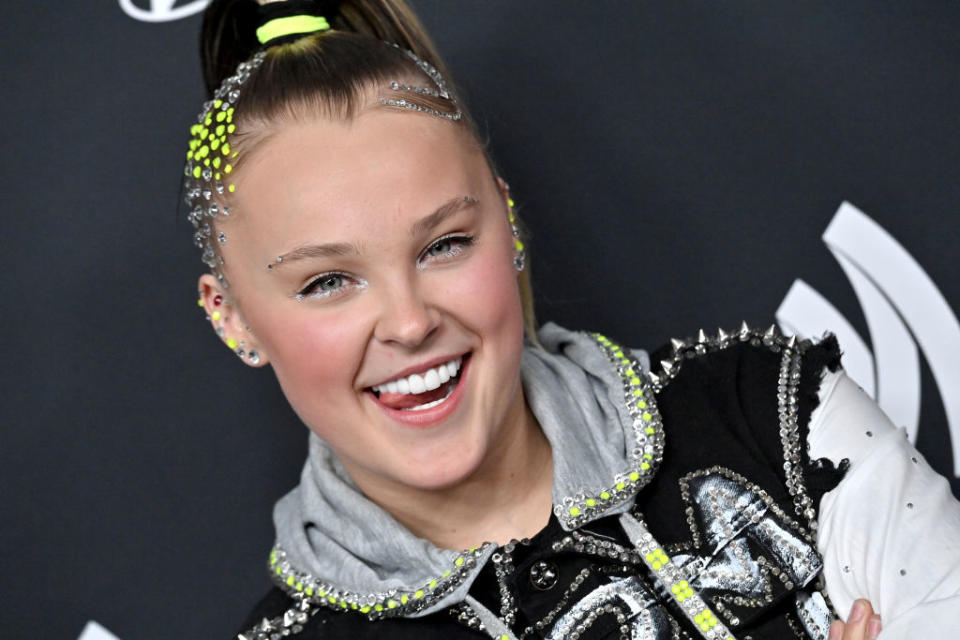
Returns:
(544,575)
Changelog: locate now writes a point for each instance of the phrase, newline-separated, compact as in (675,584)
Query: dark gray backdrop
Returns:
(676,161)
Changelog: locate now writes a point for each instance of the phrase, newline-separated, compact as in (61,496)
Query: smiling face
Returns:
(397,269)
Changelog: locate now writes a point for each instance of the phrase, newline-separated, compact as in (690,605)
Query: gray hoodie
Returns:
(333,541)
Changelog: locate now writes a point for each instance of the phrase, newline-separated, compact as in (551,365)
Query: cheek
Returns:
(313,355)
(487,295)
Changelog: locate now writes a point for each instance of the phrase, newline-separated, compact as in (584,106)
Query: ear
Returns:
(228,322)
(519,252)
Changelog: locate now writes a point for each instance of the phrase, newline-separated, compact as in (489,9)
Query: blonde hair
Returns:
(330,72)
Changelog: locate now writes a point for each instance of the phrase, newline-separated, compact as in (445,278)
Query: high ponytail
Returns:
(227,38)
(228,34)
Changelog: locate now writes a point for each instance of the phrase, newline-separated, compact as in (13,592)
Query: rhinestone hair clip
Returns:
(440,91)
(210,160)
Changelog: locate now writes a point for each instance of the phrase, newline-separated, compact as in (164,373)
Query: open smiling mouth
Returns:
(421,391)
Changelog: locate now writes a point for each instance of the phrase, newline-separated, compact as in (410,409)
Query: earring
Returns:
(237,347)
(520,254)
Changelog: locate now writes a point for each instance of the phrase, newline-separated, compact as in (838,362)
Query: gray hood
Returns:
(338,547)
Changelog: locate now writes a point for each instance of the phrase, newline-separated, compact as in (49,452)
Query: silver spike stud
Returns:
(667,367)
(744,330)
(701,337)
(770,333)
(289,618)
(654,378)
(792,342)
(722,335)
(677,344)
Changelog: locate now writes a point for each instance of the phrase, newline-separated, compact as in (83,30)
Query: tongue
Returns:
(408,400)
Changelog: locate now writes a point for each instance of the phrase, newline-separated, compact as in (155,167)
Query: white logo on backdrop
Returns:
(162,10)
(902,307)
(94,631)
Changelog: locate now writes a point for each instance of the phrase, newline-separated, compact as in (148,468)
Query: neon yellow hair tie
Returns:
(289,25)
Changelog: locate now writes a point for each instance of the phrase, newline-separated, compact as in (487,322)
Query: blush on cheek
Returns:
(493,291)
(313,360)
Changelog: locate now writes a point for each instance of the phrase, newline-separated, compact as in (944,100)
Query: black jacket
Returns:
(733,505)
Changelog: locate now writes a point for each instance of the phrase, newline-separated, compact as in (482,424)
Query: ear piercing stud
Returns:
(251,355)
(520,254)
(237,347)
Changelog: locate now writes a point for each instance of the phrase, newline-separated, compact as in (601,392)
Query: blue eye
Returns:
(330,283)
(324,285)
(440,247)
(447,247)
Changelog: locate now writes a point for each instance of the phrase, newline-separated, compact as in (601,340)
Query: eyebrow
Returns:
(319,251)
(423,225)
(444,211)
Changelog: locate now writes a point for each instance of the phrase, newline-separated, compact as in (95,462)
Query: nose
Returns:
(407,317)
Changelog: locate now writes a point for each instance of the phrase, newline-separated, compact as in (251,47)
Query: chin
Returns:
(440,472)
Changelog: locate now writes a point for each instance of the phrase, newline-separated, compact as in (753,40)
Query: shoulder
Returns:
(749,375)
(746,396)
(739,354)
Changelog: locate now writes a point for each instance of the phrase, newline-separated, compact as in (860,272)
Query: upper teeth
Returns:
(419,382)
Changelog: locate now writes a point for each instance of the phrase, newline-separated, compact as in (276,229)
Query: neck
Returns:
(509,496)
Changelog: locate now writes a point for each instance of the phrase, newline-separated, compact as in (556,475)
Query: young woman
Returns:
(468,477)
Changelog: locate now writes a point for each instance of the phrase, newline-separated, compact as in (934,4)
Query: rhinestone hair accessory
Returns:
(438,91)
(210,161)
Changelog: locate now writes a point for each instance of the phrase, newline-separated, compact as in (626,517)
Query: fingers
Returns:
(862,624)
(836,630)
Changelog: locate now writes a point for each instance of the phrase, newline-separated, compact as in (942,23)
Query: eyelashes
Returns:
(445,248)
(325,285)
(337,283)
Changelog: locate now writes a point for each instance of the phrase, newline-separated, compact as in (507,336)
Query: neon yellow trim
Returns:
(279,27)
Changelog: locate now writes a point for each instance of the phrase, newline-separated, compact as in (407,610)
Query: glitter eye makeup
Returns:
(335,283)
(330,285)
(445,248)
